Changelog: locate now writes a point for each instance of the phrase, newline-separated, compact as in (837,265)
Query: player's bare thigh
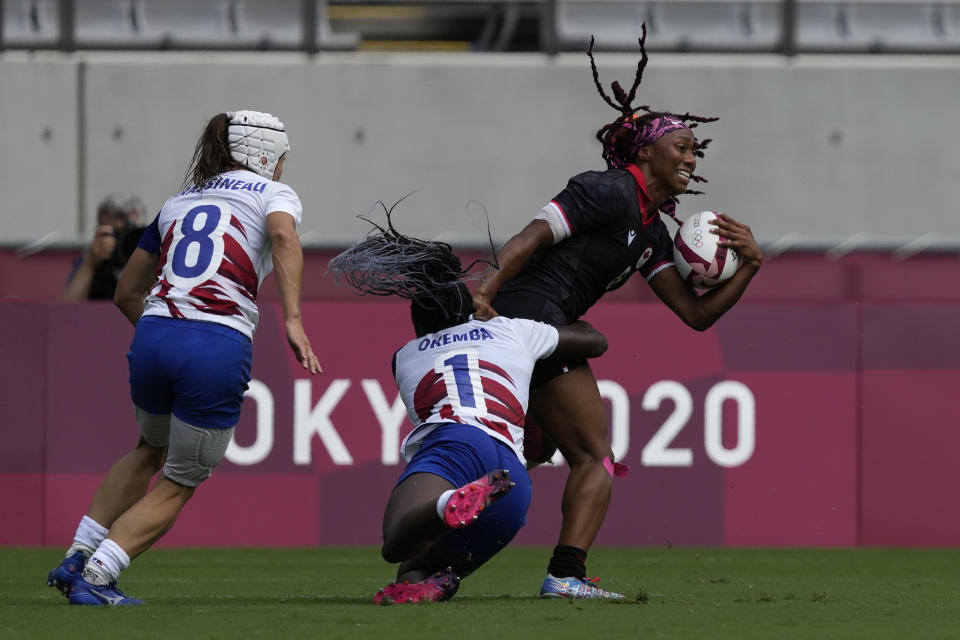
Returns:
(416,491)
(570,410)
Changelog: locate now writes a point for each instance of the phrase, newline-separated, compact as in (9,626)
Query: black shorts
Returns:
(535,307)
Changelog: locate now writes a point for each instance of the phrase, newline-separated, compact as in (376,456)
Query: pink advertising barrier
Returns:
(784,425)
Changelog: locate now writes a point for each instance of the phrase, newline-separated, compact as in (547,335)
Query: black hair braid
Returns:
(618,137)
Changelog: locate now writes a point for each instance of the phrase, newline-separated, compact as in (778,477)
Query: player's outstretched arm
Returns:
(135,283)
(512,257)
(288,267)
(701,312)
(580,340)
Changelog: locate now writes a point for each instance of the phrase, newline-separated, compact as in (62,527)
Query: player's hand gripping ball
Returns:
(700,261)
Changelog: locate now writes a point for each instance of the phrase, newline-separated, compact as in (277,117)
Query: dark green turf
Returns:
(674,593)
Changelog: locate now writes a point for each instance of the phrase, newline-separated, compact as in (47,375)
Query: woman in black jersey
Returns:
(588,240)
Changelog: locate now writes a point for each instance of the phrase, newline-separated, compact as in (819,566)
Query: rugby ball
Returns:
(700,261)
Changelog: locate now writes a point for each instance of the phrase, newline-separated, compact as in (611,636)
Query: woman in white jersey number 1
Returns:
(199,265)
(464,492)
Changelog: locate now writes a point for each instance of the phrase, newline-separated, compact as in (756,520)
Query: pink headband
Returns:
(656,128)
(652,130)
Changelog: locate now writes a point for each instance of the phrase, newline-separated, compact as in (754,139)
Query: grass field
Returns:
(674,593)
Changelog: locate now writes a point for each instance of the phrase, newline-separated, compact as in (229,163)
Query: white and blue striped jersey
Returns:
(477,373)
(215,250)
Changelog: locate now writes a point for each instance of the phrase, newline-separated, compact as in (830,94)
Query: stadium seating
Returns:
(616,25)
(106,24)
(177,24)
(872,27)
(715,26)
(435,25)
(672,25)
(329,39)
(277,25)
(169,24)
(896,27)
(31,24)
(828,26)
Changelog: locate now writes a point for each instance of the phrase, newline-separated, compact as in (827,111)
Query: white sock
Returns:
(442,502)
(89,535)
(106,563)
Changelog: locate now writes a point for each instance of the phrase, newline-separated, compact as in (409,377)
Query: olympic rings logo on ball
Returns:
(698,238)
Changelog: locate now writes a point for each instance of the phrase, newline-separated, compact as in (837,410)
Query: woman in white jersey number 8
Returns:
(190,289)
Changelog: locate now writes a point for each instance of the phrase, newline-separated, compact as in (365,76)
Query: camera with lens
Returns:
(127,238)
(122,212)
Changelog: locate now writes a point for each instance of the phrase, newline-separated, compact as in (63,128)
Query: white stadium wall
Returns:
(38,148)
(809,151)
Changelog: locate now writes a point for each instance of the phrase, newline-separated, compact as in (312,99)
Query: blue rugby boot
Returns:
(69,570)
(574,589)
(84,593)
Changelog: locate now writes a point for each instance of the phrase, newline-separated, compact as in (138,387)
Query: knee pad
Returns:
(194,452)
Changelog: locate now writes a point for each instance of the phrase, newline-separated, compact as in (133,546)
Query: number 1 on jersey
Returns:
(461,374)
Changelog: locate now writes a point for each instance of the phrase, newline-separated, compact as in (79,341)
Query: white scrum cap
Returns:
(257,140)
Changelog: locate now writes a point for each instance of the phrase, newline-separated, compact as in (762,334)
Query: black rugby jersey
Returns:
(605,212)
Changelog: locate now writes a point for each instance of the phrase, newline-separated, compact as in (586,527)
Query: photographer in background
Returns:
(94,276)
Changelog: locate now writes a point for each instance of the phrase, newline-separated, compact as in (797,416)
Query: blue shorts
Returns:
(460,454)
(198,371)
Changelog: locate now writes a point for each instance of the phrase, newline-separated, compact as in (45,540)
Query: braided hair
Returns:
(622,138)
(426,272)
